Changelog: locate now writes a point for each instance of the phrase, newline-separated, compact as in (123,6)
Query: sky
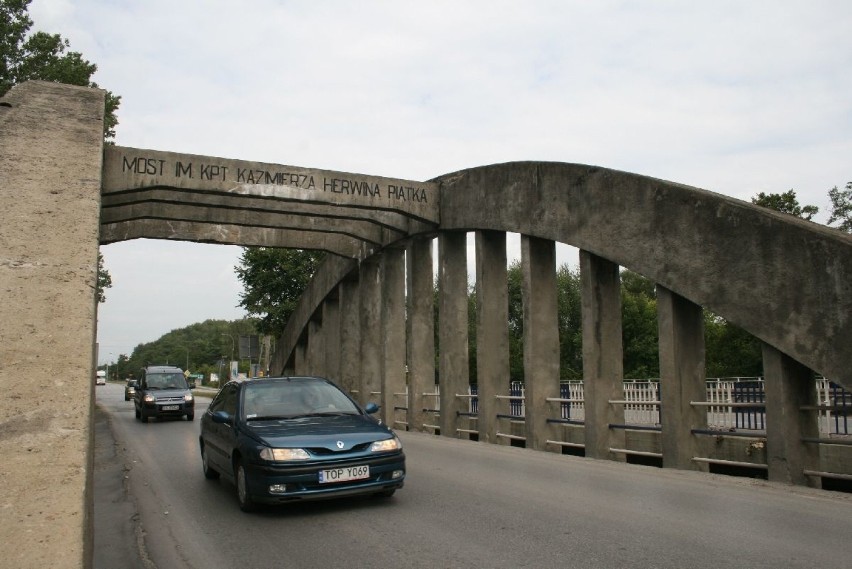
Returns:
(729,96)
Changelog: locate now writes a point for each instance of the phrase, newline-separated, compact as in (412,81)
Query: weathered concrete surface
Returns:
(51,140)
(783,279)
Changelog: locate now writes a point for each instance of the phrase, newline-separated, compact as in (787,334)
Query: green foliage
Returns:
(785,203)
(104,280)
(203,347)
(45,57)
(639,330)
(730,350)
(841,207)
(273,280)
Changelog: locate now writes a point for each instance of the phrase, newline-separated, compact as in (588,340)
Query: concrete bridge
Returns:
(367,318)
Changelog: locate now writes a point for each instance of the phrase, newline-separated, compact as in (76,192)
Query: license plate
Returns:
(344,474)
(171,407)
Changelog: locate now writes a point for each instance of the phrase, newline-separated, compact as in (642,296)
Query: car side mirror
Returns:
(371,408)
(222,417)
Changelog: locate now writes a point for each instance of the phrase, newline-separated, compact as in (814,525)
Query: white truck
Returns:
(100,377)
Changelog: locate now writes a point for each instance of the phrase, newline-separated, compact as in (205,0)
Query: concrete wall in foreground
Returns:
(51,139)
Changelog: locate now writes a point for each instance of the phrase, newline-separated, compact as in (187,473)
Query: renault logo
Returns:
(339,444)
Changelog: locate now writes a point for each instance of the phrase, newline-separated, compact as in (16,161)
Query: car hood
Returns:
(318,432)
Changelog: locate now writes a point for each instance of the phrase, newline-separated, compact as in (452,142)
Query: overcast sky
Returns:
(730,96)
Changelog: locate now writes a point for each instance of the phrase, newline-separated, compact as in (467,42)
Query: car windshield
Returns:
(294,398)
(170,380)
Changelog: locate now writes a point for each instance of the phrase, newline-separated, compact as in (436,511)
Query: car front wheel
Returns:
(209,473)
(243,496)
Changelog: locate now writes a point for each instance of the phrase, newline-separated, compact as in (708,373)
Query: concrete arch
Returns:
(785,280)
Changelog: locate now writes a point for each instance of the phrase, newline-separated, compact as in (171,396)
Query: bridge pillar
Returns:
(393,333)
(350,335)
(541,337)
(331,337)
(452,328)
(603,364)
(316,347)
(51,147)
(301,363)
(371,330)
(420,331)
(682,378)
(789,386)
(492,330)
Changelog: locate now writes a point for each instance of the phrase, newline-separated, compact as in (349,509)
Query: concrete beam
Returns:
(790,386)
(682,379)
(132,168)
(492,329)
(393,333)
(454,375)
(541,338)
(420,331)
(603,358)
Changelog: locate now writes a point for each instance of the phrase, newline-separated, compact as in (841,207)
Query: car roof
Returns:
(277,379)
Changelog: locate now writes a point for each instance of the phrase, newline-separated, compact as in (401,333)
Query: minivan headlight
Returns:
(187,397)
(284,454)
(386,445)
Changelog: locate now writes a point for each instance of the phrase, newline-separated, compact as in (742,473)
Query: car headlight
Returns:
(187,397)
(284,454)
(150,398)
(386,445)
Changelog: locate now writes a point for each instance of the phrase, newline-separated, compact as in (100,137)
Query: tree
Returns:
(45,57)
(273,280)
(841,207)
(785,203)
(104,279)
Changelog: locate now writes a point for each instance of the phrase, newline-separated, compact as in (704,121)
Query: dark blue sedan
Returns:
(297,438)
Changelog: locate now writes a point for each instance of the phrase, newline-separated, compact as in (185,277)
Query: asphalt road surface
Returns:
(464,504)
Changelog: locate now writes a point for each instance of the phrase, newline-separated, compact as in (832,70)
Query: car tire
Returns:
(136,412)
(143,417)
(241,482)
(386,493)
(209,473)
(190,416)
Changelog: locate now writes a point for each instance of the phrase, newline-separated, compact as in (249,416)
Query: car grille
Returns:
(169,400)
(322,451)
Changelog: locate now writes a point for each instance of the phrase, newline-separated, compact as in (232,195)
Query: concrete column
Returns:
(789,386)
(393,332)
(492,329)
(420,332)
(454,376)
(350,336)
(331,335)
(371,331)
(51,148)
(316,348)
(603,363)
(289,368)
(300,356)
(541,337)
(682,378)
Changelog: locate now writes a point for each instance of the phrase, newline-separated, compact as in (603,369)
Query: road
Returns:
(465,504)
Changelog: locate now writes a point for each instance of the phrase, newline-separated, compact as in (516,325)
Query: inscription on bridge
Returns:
(129,169)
